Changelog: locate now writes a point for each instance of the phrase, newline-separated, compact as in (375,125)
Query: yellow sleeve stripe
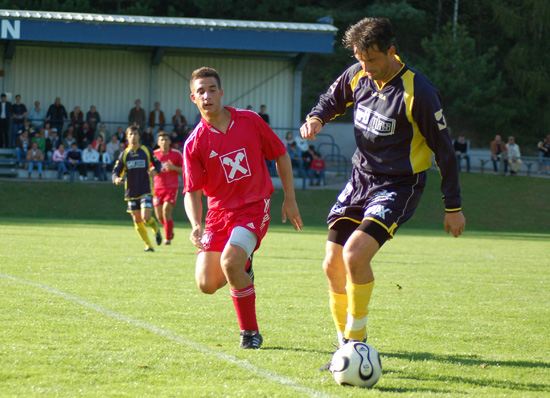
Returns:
(453,210)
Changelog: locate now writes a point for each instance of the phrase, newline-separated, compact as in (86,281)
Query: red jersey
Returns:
(230,168)
(168,179)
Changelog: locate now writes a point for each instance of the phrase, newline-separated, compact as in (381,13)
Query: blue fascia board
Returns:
(174,36)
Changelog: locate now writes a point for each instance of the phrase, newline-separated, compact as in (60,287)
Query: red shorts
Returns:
(220,223)
(165,195)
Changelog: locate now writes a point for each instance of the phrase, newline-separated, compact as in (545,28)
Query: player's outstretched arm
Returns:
(193,208)
(454,223)
(290,207)
(311,128)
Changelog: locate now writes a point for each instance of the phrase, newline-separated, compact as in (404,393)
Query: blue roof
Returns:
(43,26)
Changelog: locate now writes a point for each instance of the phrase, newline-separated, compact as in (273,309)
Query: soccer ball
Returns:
(356,364)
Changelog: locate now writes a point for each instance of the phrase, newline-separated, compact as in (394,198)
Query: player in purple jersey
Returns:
(398,123)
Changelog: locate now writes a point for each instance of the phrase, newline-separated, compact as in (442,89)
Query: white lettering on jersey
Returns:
(135,164)
(235,165)
(440,118)
(377,210)
(373,122)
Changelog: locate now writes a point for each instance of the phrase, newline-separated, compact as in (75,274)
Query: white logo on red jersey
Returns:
(213,154)
(235,165)
(251,225)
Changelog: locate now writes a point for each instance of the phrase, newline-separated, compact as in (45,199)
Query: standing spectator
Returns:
(52,143)
(224,157)
(77,118)
(59,158)
(69,140)
(514,155)
(112,146)
(57,115)
(36,116)
(544,154)
(84,136)
(179,122)
(499,153)
(104,132)
(317,169)
(156,118)
(461,149)
(263,114)
(136,116)
(93,118)
(19,113)
(22,145)
(90,158)
(5,121)
(147,138)
(74,161)
(105,162)
(166,184)
(35,158)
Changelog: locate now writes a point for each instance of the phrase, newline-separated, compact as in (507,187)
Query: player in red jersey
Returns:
(224,157)
(166,184)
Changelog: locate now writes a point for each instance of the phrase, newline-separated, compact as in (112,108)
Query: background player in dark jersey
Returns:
(224,157)
(135,161)
(398,122)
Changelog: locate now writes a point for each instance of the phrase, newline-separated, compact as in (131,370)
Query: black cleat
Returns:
(250,271)
(158,237)
(149,249)
(250,339)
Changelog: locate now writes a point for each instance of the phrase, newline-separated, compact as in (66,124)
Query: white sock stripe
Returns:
(243,293)
(353,324)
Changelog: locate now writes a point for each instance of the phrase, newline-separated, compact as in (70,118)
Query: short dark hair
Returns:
(202,73)
(369,32)
(163,134)
(132,128)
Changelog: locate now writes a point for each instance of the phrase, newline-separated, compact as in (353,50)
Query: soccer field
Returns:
(85,312)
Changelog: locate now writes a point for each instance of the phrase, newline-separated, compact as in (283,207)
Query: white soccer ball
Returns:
(356,364)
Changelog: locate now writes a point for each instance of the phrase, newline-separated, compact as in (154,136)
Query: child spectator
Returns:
(317,169)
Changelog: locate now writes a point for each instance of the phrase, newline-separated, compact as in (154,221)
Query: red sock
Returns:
(245,306)
(168,228)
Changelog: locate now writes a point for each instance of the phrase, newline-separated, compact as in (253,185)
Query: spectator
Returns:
(5,118)
(295,156)
(112,146)
(74,161)
(249,108)
(317,169)
(148,139)
(59,158)
(57,115)
(179,122)
(98,143)
(121,135)
(288,139)
(544,154)
(84,136)
(514,155)
(69,140)
(136,116)
(307,158)
(70,129)
(46,130)
(77,118)
(104,133)
(105,161)
(90,158)
(93,118)
(461,150)
(498,153)
(263,114)
(156,119)
(35,158)
(52,143)
(121,148)
(176,140)
(19,113)
(40,141)
(22,145)
(36,116)
(26,127)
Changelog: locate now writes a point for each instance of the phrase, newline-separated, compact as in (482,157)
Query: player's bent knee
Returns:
(207,287)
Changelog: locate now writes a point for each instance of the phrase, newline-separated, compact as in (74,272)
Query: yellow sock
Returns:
(153,224)
(338,308)
(358,304)
(142,232)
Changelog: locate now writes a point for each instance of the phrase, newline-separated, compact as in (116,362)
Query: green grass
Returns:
(84,312)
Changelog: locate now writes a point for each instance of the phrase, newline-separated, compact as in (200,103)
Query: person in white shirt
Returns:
(112,146)
(91,159)
(514,155)
(59,157)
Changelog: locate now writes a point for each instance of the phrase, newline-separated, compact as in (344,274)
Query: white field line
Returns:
(285,381)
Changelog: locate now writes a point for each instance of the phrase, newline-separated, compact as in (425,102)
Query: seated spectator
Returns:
(22,146)
(98,142)
(46,130)
(104,133)
(179,122)
(112,146)
(69,141)
(121,149)
(307,157)
(93,118)
(105,163)
(90,158)
(514,155)
(544,154)
(295,156)
(27,127)
(288,139)
(70,130)
(74,161)
(176,140)
(461,149)
(84,136)
(35,158)
(498,153)
(41,141)
(52,143)
(121,135)
(59,158)
(317,169)
(147,138)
